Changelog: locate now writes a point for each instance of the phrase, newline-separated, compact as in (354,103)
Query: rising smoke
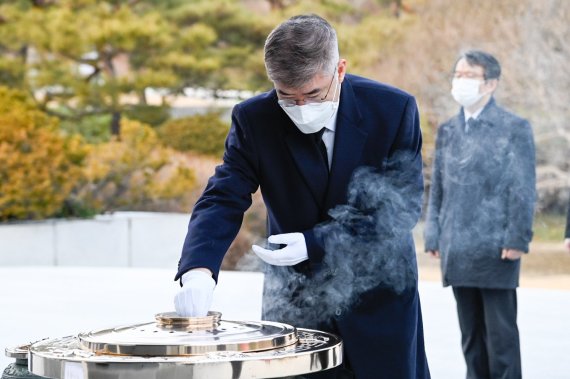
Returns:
(368,244)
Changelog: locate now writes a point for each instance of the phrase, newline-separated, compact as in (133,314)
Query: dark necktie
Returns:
(318,139)
(471,125)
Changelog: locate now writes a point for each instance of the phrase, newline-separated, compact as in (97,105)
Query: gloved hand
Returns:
(195,297)
(295,251)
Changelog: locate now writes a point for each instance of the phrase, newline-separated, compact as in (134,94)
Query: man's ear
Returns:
(341,69)
(491,85)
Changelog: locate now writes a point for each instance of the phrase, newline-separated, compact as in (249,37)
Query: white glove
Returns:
(195,297)
(295,251)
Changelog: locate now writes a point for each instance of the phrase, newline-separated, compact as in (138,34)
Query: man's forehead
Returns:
(316,83)
(463,65)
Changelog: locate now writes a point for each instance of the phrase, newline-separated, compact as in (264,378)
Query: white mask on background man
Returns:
(312,117)
(466,91)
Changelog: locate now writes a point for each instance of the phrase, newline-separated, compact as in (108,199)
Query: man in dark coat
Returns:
(479,218)
(338,160)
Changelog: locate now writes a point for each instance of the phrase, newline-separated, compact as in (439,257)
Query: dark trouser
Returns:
(489,333)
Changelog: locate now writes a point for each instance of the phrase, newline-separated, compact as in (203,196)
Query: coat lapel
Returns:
(490,113)
(309,163)
(348,146)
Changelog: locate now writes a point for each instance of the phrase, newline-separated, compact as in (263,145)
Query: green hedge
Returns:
(204,133)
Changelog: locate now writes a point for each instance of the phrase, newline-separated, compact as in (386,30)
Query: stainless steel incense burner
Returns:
(176,347)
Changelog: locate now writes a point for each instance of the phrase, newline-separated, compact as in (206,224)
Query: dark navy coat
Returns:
(382,334)
(482,198)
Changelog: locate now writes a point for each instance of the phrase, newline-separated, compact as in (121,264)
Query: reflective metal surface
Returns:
(158,339)
(18,369)
(212,320)
(18,352)
(67,358)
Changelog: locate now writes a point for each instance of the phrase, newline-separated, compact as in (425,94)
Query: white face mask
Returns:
(466,91)
(312,117)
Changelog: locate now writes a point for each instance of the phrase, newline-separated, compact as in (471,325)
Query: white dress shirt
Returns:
(328,136)
(473,115)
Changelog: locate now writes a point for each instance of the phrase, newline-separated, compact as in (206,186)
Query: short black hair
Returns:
(490,64)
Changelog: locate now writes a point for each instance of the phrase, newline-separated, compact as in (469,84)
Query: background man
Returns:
(479,217)
(301,143)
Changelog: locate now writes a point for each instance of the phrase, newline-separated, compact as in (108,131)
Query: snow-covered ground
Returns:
(39,302)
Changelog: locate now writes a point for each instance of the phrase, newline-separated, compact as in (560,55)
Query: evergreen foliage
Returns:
(93,63)
(39,166)
(46,173)
(84,58)
(135,172)
(203,133)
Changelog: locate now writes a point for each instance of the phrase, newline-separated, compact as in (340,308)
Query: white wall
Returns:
(122,239)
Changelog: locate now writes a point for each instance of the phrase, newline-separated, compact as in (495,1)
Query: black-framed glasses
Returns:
(311,100)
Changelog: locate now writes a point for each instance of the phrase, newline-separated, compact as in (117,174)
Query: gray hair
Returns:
(490,64)
(300,48)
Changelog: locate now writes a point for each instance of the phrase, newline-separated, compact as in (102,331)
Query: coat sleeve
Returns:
(432,226)
(218,214)
(521,194)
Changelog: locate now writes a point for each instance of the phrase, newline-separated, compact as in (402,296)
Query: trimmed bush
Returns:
(153,115)
(39,166)
(204,133)
(135,173)
(93,129)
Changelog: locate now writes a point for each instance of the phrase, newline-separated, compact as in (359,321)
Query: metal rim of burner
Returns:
(172,335)
(63,358)
(18,352)
(172,319)
(236,349)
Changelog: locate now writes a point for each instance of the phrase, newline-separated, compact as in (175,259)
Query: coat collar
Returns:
(490,113)
(487,117)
